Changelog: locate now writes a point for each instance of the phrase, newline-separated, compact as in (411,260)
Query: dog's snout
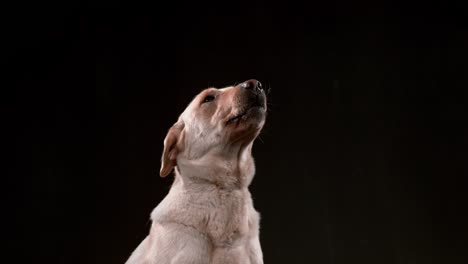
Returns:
(252,85)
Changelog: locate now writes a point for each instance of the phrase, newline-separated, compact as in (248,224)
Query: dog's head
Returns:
(217,123)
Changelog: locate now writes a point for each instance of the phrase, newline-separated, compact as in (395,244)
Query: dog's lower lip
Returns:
(243,113)
(236,117)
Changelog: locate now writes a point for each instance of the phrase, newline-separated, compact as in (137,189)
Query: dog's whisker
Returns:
(268,89)
(261,140)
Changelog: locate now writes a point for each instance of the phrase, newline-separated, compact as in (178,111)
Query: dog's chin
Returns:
(245,126)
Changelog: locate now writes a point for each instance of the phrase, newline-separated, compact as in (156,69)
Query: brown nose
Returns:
(252,84)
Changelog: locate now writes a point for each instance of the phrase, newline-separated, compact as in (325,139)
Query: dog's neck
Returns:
(228,168)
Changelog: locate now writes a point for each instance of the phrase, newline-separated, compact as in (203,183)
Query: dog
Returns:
(208,215)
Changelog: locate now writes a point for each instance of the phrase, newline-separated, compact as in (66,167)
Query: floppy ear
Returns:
(169,156)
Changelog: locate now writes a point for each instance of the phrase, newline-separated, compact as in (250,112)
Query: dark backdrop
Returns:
(362,160)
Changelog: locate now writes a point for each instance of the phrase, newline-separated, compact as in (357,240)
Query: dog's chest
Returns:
(226,218)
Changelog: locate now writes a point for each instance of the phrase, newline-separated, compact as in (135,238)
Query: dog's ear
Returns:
(171,149)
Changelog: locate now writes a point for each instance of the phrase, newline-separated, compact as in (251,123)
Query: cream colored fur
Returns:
(208,215)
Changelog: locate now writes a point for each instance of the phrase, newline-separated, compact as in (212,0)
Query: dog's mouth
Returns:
(245,113)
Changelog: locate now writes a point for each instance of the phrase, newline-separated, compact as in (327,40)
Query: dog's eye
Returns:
(208,98)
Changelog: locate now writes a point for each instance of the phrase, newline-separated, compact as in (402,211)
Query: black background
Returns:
(362,159)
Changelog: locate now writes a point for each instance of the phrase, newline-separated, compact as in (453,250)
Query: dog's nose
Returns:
(252,85)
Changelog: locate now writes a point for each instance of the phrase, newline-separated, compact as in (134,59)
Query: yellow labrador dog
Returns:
(208,215)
